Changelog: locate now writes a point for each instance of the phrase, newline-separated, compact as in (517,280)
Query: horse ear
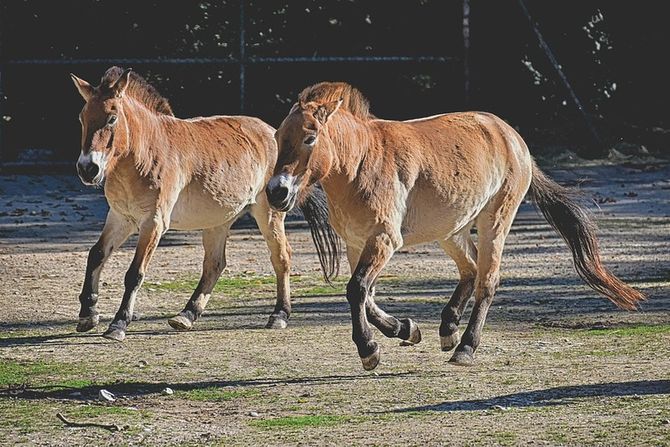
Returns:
(324,111)
(295,107)
(119,87)
(84,88)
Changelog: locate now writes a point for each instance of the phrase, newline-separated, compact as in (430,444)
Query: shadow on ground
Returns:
(140,389)
(554,396)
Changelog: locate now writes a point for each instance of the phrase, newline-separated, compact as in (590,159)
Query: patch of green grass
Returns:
(230,285)
(301,421)
(642,329)
(48,374)
(16,373)
(237,286)
(216,394)
(23,416)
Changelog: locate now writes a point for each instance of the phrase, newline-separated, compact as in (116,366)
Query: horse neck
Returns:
(351,138)
(148,141)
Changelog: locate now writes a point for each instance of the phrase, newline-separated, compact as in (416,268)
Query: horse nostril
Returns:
(278,194)
(88,171)
(92,170)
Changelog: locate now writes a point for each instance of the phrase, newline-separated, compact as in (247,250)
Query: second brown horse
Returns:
(391,184)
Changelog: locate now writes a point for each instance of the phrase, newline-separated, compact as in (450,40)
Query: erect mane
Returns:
(352,100)
(139,89)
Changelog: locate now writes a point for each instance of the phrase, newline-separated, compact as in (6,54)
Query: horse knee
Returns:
(355,292)
(96,256)
(133,278)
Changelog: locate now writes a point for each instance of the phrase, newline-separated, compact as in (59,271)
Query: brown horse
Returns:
(162,172)
(391,184)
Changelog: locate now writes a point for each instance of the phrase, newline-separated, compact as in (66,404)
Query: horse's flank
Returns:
(436,167)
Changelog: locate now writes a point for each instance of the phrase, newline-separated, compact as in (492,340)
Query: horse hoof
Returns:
(115,334)
(180,323)
(370,362)
(462,358)
(449,342)
(276,322)
(414,332)
(87,323)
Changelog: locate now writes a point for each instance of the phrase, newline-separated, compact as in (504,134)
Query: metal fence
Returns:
(242,60)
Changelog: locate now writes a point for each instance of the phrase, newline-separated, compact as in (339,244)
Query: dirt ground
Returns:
(558,365)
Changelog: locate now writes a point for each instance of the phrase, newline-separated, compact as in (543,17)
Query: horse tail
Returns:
(327,243)
(559,206)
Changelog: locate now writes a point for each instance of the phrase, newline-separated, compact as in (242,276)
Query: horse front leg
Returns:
(151,231)
(390,326)
(114,234)
(374,256)
(271,225)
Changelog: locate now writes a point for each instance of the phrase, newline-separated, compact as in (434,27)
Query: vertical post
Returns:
(242,57)
(598,147)
(2,91)
(466,51)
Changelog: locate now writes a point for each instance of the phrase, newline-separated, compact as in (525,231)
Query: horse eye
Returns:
(310,140)
(112,120)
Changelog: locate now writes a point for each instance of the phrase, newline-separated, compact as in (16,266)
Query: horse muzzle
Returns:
(282,192)
(90,168)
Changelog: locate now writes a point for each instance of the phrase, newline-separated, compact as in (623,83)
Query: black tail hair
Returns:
(327,243)
(559,206)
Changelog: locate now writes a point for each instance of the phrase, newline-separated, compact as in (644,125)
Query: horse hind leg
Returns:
(214,242)
(271,226)
(493,225)
(463,251)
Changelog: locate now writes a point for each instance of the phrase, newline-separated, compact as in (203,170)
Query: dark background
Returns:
(611,52)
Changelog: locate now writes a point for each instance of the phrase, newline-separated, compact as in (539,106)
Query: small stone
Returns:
(665,422)
(106,396)
(167,391)
(183,364)
(75,394)
(499,407)
(142,363)
(406,343)
(253,414)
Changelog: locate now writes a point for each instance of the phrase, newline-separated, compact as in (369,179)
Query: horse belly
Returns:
(430,217)
(198,210)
